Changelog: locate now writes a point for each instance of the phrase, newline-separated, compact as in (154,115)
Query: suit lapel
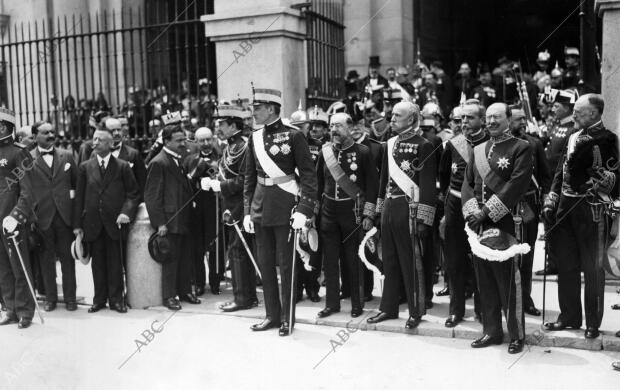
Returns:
(110,172)
(58,162)
(42,164)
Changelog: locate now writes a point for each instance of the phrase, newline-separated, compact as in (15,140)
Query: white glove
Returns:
(9,224)
(299,220)
(248,225)
(216,186)
(205,184)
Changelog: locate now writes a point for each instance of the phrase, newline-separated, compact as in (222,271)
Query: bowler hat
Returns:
(159,248)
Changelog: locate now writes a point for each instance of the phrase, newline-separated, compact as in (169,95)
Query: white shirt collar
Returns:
(41,150)
(106,160)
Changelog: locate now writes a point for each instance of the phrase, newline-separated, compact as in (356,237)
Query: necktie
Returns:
(102,167)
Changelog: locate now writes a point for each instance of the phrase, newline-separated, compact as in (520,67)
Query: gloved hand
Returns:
(298,220)
(422,230)
(205,184)
(475,220)
(248,225)
(9,224)
(442,228)
(162,231)
(216,185)
(122,219)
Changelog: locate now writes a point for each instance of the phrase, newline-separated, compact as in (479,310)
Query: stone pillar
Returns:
(143,274)
(261,42)
(609,11)
(381,28)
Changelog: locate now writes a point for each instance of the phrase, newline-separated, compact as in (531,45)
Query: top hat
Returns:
(374,62)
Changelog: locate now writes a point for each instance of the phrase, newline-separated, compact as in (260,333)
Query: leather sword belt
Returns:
(274,181)
(336,199)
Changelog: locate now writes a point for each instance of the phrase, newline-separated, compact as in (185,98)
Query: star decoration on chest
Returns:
(405,165)
(502,163)
(454,167)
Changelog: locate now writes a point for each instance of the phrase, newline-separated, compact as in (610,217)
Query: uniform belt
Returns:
(530,193)
(390,196)
(336,199)
(455,193)
(573,195)
(274,181)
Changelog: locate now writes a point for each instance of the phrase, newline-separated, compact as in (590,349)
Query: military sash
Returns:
(402,180)
(460,144)
(338,173)
(490,178)
(269,166)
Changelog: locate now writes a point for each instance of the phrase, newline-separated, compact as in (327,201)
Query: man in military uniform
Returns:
(454,160)
(205,221)
(563,127)
(406,203)
(347,184)
(496,177)
(360,135)
(538,188)
(586,176)
(572,77)
(309,279)
(16,208)
(271,193)
(229,183)
(430,123)
(390,98)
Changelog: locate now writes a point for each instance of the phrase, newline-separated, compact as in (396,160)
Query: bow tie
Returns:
(47,152)
(115,148)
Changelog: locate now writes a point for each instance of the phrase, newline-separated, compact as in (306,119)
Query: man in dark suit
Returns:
(106,198)
(204,221)
(15,211)
(125,152)
(54,177)
(167,194)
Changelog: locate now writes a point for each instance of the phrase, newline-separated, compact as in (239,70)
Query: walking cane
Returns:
(120,241)
(13,238)
(217,235)
(545,280)
(292,305)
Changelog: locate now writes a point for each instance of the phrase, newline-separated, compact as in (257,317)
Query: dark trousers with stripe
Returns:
(499,283)
(399,265)
(458,263)
(581,251)
(274,248)
(15,291)
(242,270)
(338,223)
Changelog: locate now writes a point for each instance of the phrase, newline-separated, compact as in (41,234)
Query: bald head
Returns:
(404,115)
(497,118)
(588,110)
(203,132)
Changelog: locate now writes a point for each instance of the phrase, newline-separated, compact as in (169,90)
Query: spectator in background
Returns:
(25,138)
(464,83)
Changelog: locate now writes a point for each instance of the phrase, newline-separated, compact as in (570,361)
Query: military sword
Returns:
(227,217)
(13,238)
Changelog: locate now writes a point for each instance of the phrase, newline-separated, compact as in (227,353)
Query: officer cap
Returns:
(571,51)
(229,111)
(266,96)
(7,115)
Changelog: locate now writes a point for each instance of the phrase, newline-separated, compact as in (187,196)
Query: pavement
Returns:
(433,321)
(201,346)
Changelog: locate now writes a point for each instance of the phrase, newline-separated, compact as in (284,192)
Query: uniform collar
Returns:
(409,133)
(475,137)
(361,139)
(596,126)
(273,124)
(505,136)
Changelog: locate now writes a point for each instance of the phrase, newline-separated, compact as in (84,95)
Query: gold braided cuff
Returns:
(369,210)
(470,207)
(426,214)
(497,208)
(379,208)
